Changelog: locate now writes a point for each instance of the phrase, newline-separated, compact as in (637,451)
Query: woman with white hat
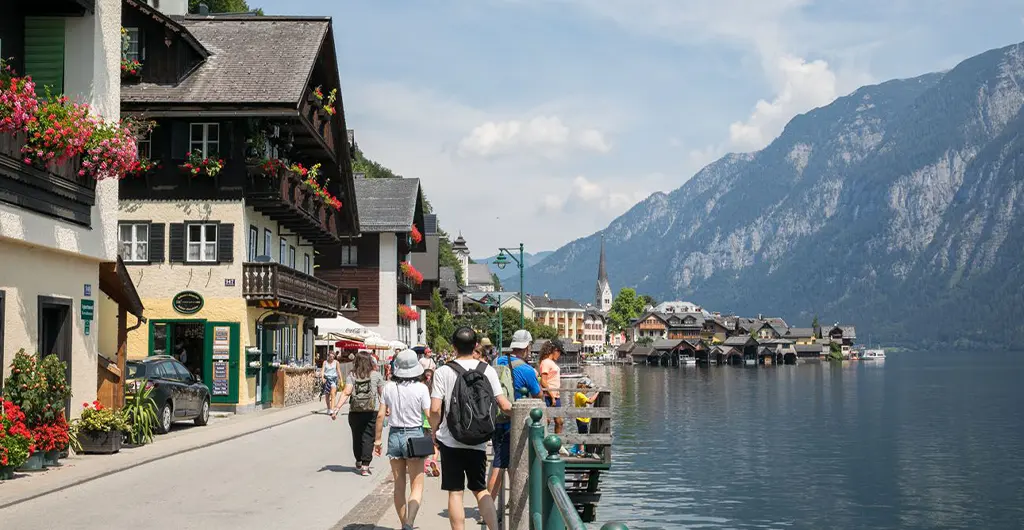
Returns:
(406,399)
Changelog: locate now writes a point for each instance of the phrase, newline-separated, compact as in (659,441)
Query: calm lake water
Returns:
(919,441)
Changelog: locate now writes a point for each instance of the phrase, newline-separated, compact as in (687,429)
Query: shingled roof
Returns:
(387,204)
(253,60)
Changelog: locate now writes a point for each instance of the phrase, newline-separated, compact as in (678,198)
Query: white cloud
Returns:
(804,86)
(546,135)
(585,195)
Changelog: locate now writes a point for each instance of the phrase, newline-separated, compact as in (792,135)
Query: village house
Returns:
(427,263)
(565,315)
(58,230)
(374,271)
(845,336)
(250,183)
(487,301)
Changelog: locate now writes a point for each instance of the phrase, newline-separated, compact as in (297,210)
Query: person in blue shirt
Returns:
(526,384)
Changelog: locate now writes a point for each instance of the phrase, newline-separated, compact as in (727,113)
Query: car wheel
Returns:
(204,414)
(164,416)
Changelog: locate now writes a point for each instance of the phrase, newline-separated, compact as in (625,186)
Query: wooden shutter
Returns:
(225,243)
(156,243)
(44,53)
(176,253)
(179,140)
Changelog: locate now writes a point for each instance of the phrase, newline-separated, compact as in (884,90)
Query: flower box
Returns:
(34,462)
(7,472)
(51,458)
(163,180)
(103,443)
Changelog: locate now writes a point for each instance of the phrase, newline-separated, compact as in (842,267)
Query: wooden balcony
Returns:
(56,191)
(288,201)
(273,285)
(318,125)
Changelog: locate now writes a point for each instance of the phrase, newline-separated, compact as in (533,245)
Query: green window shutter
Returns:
(44,53)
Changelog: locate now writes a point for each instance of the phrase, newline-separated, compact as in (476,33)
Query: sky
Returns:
(540,121)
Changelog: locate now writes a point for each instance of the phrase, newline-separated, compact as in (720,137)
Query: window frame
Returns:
(132,259)
(140,48)
(204,142)
(349,256)
(282,250)
(307,264)
(291,257)
(254,243)
(268,237)
(144,145)
(202,242)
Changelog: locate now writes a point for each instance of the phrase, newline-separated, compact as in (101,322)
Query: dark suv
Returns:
(179,395)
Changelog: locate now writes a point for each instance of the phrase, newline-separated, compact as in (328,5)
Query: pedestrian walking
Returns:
(364,387)
(551,379)
(328,373)
(406,399)
(470,393)
(430,467)
(518,380)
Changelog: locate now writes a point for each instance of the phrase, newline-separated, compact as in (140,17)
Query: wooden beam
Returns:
(122,354)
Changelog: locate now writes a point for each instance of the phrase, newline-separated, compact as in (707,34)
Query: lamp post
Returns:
(504,255)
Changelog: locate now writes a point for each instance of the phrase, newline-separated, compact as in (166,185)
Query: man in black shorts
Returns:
(463,465)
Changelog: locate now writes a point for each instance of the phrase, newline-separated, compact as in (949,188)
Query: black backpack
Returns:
(471,411)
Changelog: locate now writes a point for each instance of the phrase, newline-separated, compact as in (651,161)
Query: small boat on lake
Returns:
(877,354)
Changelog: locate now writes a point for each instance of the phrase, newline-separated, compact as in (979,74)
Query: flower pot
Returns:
(51,458)
(6,472)
(103,443)
(34,462)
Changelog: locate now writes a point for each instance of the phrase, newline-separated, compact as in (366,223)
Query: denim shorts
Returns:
(398,440)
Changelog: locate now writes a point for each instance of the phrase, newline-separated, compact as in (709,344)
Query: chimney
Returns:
(171,8)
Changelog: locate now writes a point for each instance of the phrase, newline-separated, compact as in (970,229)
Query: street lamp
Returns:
(504,256)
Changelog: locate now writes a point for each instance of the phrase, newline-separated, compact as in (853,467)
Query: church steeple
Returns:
(604,290)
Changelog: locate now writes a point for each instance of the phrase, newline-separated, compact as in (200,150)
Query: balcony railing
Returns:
(56,190)
(405,283)
(285,199)
(274,285)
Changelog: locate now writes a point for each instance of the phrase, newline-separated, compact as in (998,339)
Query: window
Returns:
(267,238)
(135,50)
(349,299)
(349,255)
(307,266)
(254,243)
(144,142)
(205,139)
(282,252)
(202,242)
(291,257)
(134,239)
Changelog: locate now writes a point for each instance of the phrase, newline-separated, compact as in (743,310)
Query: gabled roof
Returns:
(447,280)
(253,60)
(667,344)
(739,340)
(808,348)
(642,351)
(387,204)
(479,274)
(698,319)
(849,332)
(800,333)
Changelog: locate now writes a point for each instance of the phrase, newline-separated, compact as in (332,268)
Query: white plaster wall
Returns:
(26,272)
(262,222)
(172,7)
(164,280)
(388,292)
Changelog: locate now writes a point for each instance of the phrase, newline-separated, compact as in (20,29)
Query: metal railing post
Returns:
(554,472)
(536,430)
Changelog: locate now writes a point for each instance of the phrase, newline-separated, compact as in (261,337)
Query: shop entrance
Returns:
(210,350)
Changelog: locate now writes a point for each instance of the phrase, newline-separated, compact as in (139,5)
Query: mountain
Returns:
(511,272)
(897,208)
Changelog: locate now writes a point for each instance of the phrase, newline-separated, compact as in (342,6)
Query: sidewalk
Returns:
(183,438)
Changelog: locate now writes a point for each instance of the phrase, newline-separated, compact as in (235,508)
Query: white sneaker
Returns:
(563,451)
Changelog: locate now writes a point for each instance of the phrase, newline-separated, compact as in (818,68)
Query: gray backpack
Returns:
(363,399)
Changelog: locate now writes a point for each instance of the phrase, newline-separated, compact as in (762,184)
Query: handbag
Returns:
(420,447)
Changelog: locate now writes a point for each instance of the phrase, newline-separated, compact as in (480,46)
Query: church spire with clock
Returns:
(604,289)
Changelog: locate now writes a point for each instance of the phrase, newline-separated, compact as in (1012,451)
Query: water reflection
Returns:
(922,441)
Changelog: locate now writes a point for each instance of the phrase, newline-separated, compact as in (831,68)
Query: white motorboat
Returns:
(877,354)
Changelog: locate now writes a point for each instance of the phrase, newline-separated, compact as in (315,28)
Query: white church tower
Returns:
(604,289)
(462,252)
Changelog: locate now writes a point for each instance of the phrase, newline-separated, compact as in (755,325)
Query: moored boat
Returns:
(877,354)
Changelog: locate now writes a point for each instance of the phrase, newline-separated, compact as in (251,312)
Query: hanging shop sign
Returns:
(187,302)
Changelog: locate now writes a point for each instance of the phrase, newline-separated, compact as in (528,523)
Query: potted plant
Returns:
(196,164)
(100,429)
(51,439)
(140,414)
(51,426)
(26,389)
(16,441)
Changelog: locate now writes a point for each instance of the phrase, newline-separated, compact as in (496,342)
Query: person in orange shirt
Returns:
(551,377)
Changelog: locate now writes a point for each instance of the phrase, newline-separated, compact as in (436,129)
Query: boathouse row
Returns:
(251,178)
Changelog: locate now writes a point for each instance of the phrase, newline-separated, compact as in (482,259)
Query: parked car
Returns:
(179,395)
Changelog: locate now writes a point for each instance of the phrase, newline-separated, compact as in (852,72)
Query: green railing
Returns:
(550,506)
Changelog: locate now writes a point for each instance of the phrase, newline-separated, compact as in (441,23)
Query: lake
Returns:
(923,440)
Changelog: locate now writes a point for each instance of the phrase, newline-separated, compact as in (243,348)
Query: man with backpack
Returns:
(469,393)
(518,380)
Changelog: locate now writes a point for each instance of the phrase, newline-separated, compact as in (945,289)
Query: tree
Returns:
(645,341)
(496,281)
(223,6)
(440,324)
(627,306)
(814,324)
(541,331)
(835,352)
(648,300)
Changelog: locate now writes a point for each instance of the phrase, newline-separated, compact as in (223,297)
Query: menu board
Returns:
(221,358)
(220,378)
(221,343)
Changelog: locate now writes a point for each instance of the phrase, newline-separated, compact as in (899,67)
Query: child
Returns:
(430,467)
(582,400)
